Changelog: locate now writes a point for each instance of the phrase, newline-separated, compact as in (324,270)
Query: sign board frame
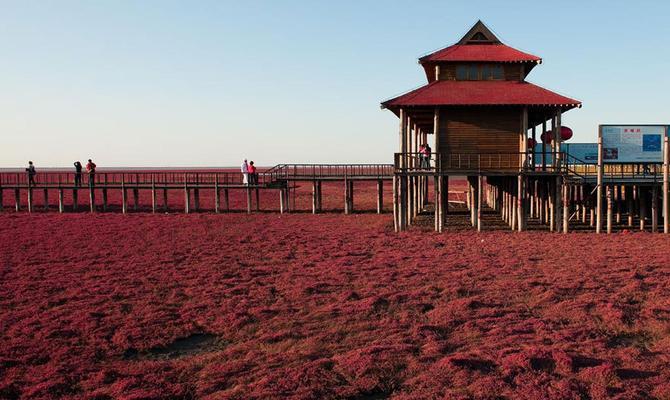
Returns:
(636,138)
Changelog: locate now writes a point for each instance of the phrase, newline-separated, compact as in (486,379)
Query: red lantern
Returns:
(531,143)
(547,137)
(566,133)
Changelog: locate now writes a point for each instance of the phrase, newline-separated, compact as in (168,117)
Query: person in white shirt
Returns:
(245,172)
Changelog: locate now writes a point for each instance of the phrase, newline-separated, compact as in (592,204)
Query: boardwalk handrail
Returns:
(272,176)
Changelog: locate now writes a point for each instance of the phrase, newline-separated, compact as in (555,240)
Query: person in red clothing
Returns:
(253,176)
(90,168)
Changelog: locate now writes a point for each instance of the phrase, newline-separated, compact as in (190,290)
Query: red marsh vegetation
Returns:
(328,306)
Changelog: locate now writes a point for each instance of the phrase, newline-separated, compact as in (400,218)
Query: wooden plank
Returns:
(61,204)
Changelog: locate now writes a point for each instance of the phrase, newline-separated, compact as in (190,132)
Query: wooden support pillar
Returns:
(444,201)
(552,205)
(258,198)
(396,218)
(609,209)
(599,189)
(521,203)
(403,203)
(17,200)
(654,208)
(196,198)
(346,196)
(153,195)
(187,198)
(217,195)
(136,198)
(480,184)
(2,207)
(46,199)
(319,197)
(282,199)
(566,207)
(91,197)
(61,204)
(124,197)
(314,196)
(248,192)
(30,199)
(559,203)
(628,192)
(666,184)
(643,207)
(165,199)
(617,203)
(105,202)
(436,193)
(380,196)
(351,196)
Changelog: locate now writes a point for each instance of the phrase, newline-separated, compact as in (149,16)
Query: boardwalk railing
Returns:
(332,171)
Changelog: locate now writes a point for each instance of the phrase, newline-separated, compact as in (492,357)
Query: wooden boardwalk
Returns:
(281,179)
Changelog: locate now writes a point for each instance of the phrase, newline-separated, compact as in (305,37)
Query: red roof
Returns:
(480,52)
(460,93)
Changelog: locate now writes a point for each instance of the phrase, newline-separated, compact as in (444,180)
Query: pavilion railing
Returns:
(480,162)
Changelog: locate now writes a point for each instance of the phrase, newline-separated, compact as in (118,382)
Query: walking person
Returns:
(245,172)
(77,173)
(90,169)
(253,176)
(31,173)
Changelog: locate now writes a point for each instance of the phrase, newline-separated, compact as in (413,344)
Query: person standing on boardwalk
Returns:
(253,176)
(77,173)
(245,172)
(31,173)
(90,168)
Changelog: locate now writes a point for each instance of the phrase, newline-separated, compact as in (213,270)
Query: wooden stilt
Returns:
(319,197)
(617,203)
(654,209)
(258,199)
(61,204)
(628,192)
(666,184)
(136,198)
(124,197)
(91,197)
(46,199)
(444,200)
(480,183)
(153,195)
(314,196)
(351,196)
(599,190)
(346,197)
(403,203)
(196,198)
(248,191)
(643,207)
(17,200)
(282,198)
(436,193)
(187,198)
(566,207)
(380,196)
(105,202)
(226,199)
(521,203)
(396,225)
(2,206)
(609,209)
(552,206)
(217,195)
(30,199)
(165,199)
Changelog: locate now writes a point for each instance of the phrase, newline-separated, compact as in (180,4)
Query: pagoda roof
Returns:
(480,53)
(480,93)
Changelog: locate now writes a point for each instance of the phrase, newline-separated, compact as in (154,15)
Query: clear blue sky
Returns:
(165,83)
